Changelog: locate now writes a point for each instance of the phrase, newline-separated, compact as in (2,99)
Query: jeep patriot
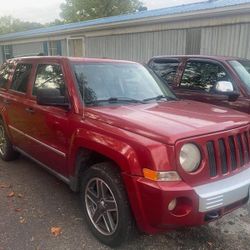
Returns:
(115,133)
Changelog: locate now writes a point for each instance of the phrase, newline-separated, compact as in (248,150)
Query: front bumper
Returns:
(150,200)
(224,192)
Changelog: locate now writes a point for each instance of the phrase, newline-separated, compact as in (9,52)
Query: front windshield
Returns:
(242,68)
(105,83)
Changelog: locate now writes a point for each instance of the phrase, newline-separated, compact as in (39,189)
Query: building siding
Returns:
(221,39)
(28,49)
(1,55)
(137,46)
(228,40)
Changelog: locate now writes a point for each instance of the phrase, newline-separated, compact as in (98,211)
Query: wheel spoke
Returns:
(100,189)
(109,222)
(92,197)
(97,215)
(110,205)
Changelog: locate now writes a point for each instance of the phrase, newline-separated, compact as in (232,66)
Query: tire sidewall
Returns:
(123,210)
(8,148)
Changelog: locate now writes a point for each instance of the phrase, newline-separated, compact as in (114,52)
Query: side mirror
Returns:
(51,97)
(227,88)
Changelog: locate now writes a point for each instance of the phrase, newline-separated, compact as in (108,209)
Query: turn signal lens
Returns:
(161,176)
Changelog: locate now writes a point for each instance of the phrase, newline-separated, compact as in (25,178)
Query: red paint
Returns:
(133,136)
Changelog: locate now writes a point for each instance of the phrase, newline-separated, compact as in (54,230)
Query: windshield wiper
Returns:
(116,100)
(160,97)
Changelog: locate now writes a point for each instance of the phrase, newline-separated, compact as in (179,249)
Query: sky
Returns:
(44,11)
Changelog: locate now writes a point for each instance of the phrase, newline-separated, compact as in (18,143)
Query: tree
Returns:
(9,24)
(80,10)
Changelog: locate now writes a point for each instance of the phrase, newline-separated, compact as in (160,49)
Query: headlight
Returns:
(190,157)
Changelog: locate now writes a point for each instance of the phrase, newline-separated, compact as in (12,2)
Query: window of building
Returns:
(21,77)
(52,48)
(49,76)
(203,76)
(7,52)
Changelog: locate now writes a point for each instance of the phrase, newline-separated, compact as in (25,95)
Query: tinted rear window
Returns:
(5,71)
(165,69)
(21,77)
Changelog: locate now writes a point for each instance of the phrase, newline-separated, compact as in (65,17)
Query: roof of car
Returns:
(218,58)
(71,59)
(175,10)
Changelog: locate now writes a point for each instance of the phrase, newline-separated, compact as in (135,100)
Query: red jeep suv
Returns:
(117,134)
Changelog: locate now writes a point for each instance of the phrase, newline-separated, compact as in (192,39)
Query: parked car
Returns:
(223,81)
(117,134)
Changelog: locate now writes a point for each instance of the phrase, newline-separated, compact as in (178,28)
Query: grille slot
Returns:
(211,158)
(228,153)
(246,145)
(240,148)
(223,156)
(232,152)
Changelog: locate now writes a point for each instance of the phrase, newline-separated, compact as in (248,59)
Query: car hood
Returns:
(169,121)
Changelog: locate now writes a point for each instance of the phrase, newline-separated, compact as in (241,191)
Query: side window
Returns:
(49,76)
(165,69)
(5,72)
(21,77)
(203,76)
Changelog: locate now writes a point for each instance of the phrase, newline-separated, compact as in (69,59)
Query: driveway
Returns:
(32,202)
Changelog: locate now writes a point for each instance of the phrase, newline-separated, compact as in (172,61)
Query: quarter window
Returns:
(21,77)
(203,76)
(5,71)
(166,70)
(49,76)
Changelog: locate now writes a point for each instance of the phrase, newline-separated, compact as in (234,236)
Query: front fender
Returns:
(116,150)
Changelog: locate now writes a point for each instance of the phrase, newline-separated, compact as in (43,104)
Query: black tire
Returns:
(123,223)
(7,153)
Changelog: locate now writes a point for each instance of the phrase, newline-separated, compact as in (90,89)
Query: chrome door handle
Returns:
(30,110)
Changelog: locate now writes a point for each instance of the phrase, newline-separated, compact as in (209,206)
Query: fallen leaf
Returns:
(18,209)
(20,196)
(56,231)
(5,185)
(209,243)
(22,220)
(11,194)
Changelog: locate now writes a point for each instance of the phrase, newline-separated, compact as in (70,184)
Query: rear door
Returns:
(15,101)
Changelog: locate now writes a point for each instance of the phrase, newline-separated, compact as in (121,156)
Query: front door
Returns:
(198,82)
(49,124)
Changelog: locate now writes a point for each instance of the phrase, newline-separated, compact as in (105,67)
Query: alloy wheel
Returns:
(101,206)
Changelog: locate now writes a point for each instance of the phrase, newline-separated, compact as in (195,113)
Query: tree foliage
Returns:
(80,10)
(9,24)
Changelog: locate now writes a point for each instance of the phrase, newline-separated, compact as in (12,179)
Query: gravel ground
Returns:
(32,202)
